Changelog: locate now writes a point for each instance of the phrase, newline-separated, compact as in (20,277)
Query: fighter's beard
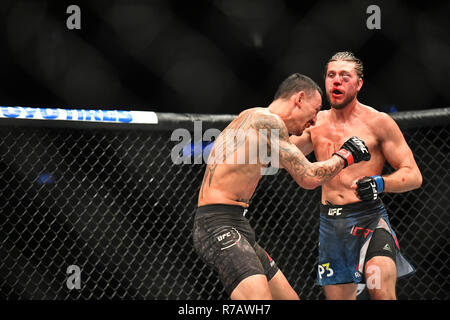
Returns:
(340,105)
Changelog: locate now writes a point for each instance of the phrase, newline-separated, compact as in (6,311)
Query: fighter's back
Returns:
(234,164)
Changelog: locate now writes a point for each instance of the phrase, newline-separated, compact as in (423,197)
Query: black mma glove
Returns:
(368,188)
(353,150)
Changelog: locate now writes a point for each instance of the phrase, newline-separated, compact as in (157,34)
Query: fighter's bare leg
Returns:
(254,287)
(380,270)
(343,291)
(281,289)
(381,277)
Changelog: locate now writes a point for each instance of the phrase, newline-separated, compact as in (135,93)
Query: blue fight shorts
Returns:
(344,236)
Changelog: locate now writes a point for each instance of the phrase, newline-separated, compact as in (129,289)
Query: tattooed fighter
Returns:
(222,235)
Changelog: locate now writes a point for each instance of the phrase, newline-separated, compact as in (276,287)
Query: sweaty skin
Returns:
(228,181)
(348,117)
(385,141)
(382,137)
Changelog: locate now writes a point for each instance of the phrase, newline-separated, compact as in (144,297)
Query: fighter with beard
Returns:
(356,240)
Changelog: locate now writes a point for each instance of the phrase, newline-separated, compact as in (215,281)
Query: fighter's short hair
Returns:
(295,83)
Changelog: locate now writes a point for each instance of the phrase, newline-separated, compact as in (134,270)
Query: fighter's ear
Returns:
(299,97)
(360,83)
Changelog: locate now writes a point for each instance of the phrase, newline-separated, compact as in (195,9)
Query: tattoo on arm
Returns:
(306,172)
(227,143)
(266,125)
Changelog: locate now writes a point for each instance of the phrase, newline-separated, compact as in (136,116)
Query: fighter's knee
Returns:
(251,295)
(382,294)
(381,269)
(254,287)
(381,278)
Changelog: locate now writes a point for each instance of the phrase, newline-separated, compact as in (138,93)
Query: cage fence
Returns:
(109,200)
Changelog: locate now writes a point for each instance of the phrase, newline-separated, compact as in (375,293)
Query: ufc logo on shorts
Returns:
(227,239)
(361,146)
(334,211)
(223,236)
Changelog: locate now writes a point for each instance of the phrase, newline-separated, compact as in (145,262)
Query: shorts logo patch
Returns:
(223,236)
(358,231)
(227,237)
(387,248)
(270,259)
(324,268)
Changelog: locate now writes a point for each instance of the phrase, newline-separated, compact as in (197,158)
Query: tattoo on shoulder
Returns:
(230,140)
(271,122)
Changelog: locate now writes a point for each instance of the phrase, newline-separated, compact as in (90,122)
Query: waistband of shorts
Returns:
(342,211)
(221,208)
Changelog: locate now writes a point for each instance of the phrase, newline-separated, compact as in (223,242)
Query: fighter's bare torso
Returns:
(228,178)
(257,137)
(328,135)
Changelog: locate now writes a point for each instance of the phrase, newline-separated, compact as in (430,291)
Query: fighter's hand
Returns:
(353,150)
(368,188)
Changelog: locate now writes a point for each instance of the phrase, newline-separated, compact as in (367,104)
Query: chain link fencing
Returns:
(111,202)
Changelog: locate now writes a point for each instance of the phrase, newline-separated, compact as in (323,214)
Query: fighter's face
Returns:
(306,113)
(342,84)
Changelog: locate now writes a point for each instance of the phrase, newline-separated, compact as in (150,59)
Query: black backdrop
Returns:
(216,56)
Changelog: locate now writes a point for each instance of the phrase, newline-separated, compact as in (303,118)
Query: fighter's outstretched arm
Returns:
(307,174)
(303,142)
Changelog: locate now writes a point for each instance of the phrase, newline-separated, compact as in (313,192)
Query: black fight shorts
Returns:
(225,241)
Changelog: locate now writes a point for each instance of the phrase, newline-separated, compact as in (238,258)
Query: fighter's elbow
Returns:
(308,184)
(415,180)
(418,180)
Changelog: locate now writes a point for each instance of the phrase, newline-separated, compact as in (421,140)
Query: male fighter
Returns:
(222,235)
(355,237)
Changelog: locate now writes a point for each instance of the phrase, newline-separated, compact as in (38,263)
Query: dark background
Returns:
(113,203)
(217,56)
